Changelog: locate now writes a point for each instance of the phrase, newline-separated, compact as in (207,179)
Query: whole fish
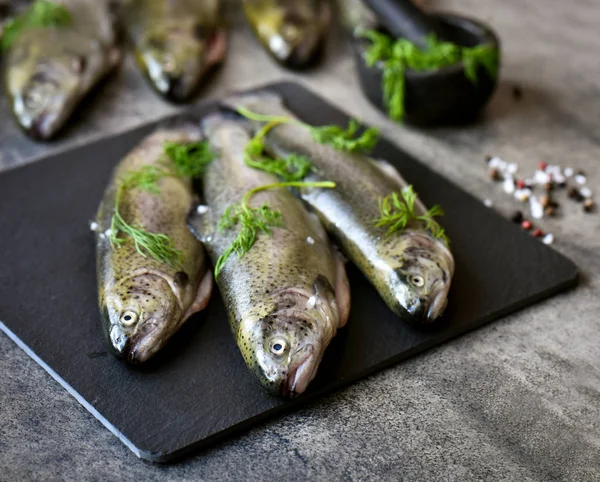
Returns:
(143,302)
(176,42)
(289,294)
(355,15)
(293,31)
(411,269)
(48,70)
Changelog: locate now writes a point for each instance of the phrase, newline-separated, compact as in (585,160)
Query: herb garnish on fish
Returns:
(397,211)
(254,220)
(346,140)
(290,168)
(42,13)
(396,56)
(188,160)
(294,167)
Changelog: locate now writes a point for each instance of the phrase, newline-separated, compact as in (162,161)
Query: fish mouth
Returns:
(437,306)
(301,372)
(42,127)
(141,345)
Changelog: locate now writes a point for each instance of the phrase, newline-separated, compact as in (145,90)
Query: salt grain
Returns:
(580,179)
(585,192)
(509,185)
(523,194)
(541,177)
(512,168)
(310,240)
(548,239)
(93,226)
(497,163)
(537,210)
(568,172)
(488,203)
(202,209)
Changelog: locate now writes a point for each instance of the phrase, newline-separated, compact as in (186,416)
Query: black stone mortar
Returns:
(438,97)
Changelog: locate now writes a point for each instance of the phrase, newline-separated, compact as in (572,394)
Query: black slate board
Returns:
(198,390)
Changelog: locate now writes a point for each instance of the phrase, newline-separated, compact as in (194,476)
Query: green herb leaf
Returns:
(253,221)
(346,140)
(146,178)
(341,139)
(42,13)
(396,56)
(190,159)
(396,211)
(157,245)
(293,168)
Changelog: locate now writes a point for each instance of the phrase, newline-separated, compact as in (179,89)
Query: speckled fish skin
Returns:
(48,71)
(176,42)
(411,269)
(292,31)
(289,294)
(157,297)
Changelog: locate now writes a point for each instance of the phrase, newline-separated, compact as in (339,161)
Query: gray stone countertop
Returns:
(517,400)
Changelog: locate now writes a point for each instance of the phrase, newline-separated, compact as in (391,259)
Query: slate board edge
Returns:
(170,457)
(90,408)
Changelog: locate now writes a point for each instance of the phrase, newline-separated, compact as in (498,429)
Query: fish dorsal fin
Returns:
(392,173)
(198,222)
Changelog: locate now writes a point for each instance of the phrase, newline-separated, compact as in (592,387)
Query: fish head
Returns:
(293,38)
(420,277)
(140,314)
(44,92)
(175,56)
(283,340)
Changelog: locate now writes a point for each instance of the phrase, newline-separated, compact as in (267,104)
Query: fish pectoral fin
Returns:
(342,290)
(202,295)
(198,222)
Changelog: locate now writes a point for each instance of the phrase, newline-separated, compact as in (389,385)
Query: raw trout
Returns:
(143,302)
(176,42)
(293,31)
(289,294)
(48,70)
(411,269)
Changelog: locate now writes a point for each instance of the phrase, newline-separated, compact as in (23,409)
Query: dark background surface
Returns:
(198,389)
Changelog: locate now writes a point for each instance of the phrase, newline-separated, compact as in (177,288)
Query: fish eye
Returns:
(278,346)
(128,318)
(417,280)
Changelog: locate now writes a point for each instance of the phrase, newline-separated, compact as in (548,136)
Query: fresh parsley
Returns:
(396,56)
(42,13)
(397,211)
(253,221)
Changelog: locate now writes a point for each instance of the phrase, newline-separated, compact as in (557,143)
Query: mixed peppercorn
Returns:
(548,179)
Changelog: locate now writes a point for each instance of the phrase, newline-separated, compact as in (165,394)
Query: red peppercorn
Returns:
(538,233)
(543,166)
(521,184)
(526,225)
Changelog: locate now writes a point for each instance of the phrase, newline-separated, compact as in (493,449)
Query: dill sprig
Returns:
(396,211)
(146,178)
(42,13)
(396,56)
(253,221)
(190,159)
(293,167)
(187,160)
(348,140)
(157,245)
